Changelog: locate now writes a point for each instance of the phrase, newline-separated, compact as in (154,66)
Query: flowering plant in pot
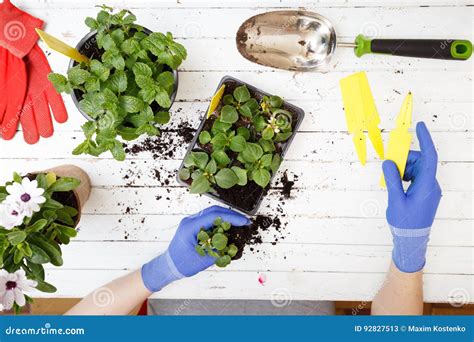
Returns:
(127,86)
(38,214)
(240,146)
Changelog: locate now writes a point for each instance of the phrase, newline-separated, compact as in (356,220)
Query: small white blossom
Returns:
(12,288)
(27,194)
(11,214)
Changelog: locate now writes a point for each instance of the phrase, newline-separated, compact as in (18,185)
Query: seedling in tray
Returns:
(239,148)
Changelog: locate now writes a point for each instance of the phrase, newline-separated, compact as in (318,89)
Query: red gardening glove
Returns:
(36,117)
(17,34)
(12,92)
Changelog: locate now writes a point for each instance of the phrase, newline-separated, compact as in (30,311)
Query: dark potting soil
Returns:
(166,145)
(287,185)
(250,235)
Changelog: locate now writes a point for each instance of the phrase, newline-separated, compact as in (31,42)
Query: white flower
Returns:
(11,214)
(27,194)
(12,286)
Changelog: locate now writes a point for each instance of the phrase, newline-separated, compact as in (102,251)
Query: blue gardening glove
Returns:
(411,214)
(181,259)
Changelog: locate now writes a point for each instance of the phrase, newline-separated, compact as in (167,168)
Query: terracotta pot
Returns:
(83,190)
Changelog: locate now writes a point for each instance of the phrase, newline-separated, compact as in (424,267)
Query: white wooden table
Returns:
(337,245)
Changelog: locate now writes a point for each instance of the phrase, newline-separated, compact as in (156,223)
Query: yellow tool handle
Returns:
(61,47)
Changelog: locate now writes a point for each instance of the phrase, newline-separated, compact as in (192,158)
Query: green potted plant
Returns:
(38,213)
(128,85)
(239,147)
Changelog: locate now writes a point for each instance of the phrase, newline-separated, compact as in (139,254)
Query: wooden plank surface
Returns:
(334,231)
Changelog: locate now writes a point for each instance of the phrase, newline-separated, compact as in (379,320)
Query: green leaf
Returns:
(267,145)
(162,117)
(266,160)
(17,178)
(37,226)
(241,175)
(64,184)
(204,137)
(100,70)
(16,237)
(232,251)
(229,114)
(276,161)
(50,247)
(68,231)
(184,174)
(200,250)
(203,236)
(91,23)
(77,76)
(275,101)
(245,111)
(39,256)
(166,79)
(130,46)
(107,42)
(211,167)
(200,185)
(220,140)
(131,104)
(118,81)
(253,105)
(221,158)
(244,132)
(259,123)
(141,69)
(252,152)
(241,94)
(200,159)
(45,287)
(118,151)
(228,99)
(58,81)
(220,127)
(219,241)
(223,261)
(237,143)
(226,178)
(282,136)
(118,36)
(261,177)
(162,97)
(268,133)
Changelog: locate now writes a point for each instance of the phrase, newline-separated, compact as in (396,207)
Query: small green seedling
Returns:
(241,145)
(214,242)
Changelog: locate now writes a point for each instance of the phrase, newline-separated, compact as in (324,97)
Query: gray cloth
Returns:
(199,307)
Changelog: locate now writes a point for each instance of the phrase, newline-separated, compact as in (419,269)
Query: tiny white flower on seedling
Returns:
(11,214)
(12,288)
(27,194)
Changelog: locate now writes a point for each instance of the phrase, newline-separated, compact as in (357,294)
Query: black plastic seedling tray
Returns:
(246,198)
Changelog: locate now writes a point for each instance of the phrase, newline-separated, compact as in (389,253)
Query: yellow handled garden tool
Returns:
(61,47)
(361,114)
(400,139)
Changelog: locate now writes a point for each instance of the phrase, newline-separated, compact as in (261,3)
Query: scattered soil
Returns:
(251,235)
(287,185)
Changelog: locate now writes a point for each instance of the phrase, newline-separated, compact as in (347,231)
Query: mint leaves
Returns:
(120,89)
(242,144)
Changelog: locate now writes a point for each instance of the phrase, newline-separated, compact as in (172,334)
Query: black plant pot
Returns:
(88,47)
(246,198)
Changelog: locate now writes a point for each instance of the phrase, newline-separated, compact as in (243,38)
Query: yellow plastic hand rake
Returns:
(61,47)
(361,114)
(400,139)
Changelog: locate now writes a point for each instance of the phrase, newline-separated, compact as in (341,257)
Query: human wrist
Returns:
(159,272)
(409,248)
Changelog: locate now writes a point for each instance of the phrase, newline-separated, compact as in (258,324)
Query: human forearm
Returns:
(118,297)
(401,294)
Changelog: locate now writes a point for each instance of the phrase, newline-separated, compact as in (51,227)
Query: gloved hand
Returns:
(411,214)
(181,259)
(36,117)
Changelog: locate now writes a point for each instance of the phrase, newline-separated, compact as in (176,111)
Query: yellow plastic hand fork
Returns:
(215,101)
(400,139)
(361,114)
(61,47)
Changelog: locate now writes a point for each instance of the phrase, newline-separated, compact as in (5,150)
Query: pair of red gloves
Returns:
(26,95)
